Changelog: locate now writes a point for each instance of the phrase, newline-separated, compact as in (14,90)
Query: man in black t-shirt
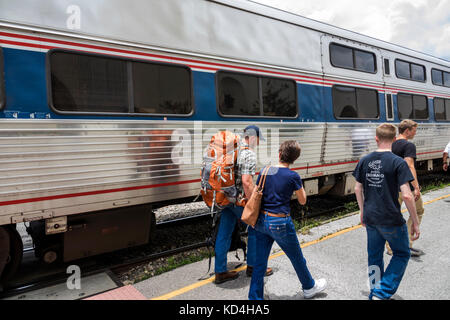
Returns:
(407,150)
(379,176)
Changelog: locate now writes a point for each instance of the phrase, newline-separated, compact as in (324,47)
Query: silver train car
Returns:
(106,107)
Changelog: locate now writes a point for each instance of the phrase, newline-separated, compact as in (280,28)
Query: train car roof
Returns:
(208,27)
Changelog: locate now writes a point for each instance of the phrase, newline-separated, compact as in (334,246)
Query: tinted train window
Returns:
(351,58)
(85,83)
(412,106)
(447,79)
(442,109)
(279,97)
(436,77)
(249,95)
(161,89)
(102,84)
(409,71)
(417,72)
(440,78)
(356,103)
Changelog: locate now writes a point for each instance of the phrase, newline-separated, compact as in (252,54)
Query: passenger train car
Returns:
(106,107)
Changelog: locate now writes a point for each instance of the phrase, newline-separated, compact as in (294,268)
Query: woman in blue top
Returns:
(275,224)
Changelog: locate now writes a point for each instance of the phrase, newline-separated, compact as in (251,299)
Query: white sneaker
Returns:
(319,286)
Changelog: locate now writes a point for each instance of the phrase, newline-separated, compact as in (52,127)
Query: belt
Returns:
(277,215)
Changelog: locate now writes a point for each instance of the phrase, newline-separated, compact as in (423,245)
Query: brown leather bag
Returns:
(253,206)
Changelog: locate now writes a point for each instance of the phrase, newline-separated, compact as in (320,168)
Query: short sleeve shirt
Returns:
(405,149)
(246,164)
(382,174)
(279,187)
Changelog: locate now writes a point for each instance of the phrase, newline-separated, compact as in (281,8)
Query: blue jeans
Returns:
(281,230)
(230,216)
(384,283)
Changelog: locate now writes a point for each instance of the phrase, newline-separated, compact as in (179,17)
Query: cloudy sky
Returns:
(422,25)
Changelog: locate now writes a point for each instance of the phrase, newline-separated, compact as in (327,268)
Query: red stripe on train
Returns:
(215,66)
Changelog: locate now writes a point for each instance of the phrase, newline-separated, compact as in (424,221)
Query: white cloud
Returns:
(422,25)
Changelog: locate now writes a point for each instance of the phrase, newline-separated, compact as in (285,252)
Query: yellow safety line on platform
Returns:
(276,255)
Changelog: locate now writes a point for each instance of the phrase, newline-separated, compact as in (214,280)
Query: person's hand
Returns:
(415,232)
(362,223)
(445,167)
(416,194)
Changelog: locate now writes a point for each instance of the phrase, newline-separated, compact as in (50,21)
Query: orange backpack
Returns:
(218,170)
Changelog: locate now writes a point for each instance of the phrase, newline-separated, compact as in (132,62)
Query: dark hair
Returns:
(289,151)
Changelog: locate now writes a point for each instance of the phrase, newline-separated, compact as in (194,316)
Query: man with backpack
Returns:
(244,170)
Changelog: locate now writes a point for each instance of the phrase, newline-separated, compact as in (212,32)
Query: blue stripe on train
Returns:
(26,96)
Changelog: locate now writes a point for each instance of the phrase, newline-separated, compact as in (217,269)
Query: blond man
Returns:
(407,150)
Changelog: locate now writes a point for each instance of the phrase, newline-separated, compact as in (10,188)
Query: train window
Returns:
(364,61)
(402,69)
(440,78)
(409,71)
(88,83)
(2,85)
(437,77)
(442,109)
(356,103)
(389,107)
(161,89)
(405,107)
(256,96)
(341,56)
(417,72)
(447,79)
(420,106)
(387,69)
(413,107)
(239,94)
(279,97)
(352,58)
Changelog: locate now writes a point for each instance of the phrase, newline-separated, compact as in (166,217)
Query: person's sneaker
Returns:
(249,271)
(225,276)
(319,286)
(416,252)
(374,297)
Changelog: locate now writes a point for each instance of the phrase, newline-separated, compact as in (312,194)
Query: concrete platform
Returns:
(336,251)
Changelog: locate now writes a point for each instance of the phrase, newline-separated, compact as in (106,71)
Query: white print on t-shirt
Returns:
(375,177)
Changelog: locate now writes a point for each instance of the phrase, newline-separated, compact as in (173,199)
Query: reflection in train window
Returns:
(238,94)
(102,84)
(436,76)
(356,103)
(87,83)
(161,89)
(279,98)
(248,95)
(441,109)
(413,107)
(409,71)
(447,79)
(352,58)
